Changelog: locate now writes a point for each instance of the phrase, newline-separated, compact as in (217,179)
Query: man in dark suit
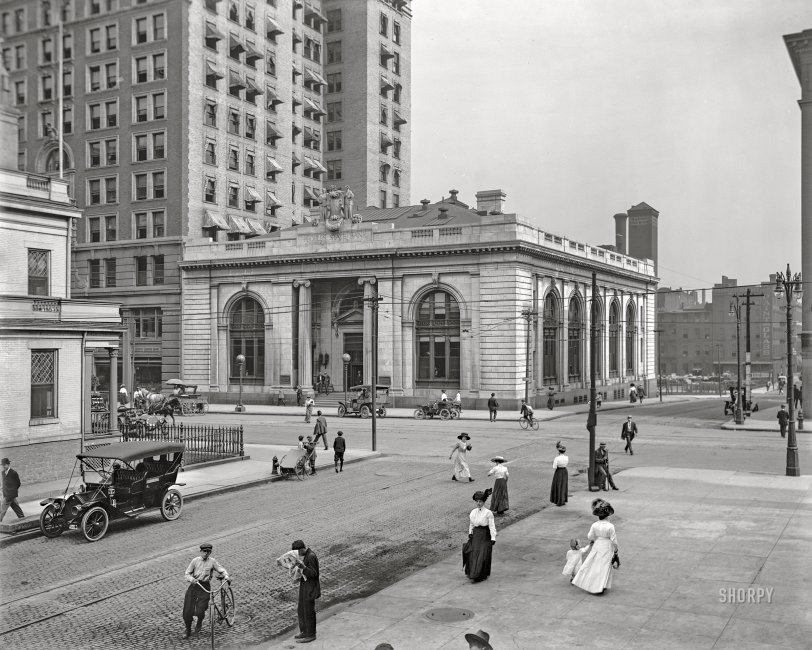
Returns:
(309,590)
(11,487)
(628,433)
(602,473)
(783,420)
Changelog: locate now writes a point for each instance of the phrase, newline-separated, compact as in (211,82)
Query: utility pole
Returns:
(592,419)
(736,308)
(528,315)
(373,305)
(659,369)
(747,366)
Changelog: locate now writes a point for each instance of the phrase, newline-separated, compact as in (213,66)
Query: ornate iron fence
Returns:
(203,443)
(99,423)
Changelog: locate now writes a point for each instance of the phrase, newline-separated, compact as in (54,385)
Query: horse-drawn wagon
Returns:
(191,403)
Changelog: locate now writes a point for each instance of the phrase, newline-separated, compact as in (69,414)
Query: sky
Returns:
(579,109)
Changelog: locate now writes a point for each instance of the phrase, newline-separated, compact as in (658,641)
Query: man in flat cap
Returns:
(11,488)
(309,590)
(602,473)
(199,573)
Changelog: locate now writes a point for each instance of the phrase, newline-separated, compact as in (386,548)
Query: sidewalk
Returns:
(765,420)
(201,480)
(721,565)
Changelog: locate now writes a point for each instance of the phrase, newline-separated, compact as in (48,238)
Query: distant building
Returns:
(47,338)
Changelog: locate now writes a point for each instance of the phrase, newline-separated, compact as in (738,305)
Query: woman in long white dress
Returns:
(461,471)
(595,574)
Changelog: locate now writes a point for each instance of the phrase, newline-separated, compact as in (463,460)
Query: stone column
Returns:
(369,313)
(305,336)
(112,424)
(564,337)
(87,389)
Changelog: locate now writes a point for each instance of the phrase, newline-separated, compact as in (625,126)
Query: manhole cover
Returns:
(531,557)
(449,614)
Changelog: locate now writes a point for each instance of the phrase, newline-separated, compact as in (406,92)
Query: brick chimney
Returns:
(621,239)
(490,201)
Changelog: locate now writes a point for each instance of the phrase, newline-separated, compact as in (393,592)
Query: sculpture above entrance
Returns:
(335,206)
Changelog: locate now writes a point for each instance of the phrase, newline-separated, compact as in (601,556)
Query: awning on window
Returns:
(295,159)
(234,80)
(296,129)
(386,141)
(251,88)
(272,27)
(252,196)
(256,226)
(386,53)
(271,131)
(310,134)
(251,54)
(214,220)
(272,165)
(317,164)
(213,33)
(385,165)
(239,224)
(234,45)
(296,37)
(310,10)
(271,198)
(296,71)
(271,98)
(314,107)
(296,101)
(397,118)
(212,71)
(386,84)
(311,194)
(315,77)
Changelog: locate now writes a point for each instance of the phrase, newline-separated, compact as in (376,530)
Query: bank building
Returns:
(452,296)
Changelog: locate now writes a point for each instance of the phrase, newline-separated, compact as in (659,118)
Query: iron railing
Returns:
(203,443)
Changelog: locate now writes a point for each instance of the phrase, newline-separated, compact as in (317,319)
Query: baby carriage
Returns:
(295,463)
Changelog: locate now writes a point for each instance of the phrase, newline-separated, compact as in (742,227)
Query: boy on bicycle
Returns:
(199,574)
(526,411)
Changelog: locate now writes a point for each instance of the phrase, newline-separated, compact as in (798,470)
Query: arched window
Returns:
(438,338)
(550,341)
(614,350)
(52,161)
(246,335)
(631,335)
(574,331)
(597,320)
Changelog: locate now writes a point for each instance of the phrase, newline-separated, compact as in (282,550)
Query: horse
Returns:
(156,403)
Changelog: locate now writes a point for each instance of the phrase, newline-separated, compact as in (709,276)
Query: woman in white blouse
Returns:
(499,497)
(595,574)
(482,537)
(560,487)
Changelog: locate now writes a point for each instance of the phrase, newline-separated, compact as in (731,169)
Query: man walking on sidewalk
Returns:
(11,487)
(783,420)
(309,590)
(320,430)
(339,447)
(492,406)
(602,468)
(628,433)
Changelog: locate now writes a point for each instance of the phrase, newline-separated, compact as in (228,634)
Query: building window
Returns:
(396,178)
(94,226)
(437,333)
(597,319)
(334,111)
(39,275)
(631,336)
(210,113)
(43,384)
(334,21)
(334,52)
(110,272)
(140,225)
(550,340)
(233,159)
(111,228)
(234,121)
(334,140)
(148,322)
(67,46)
(334,82)
(141,271)
(210,153)
(111,36)
(158,223)
(95,274)
(383,176)
(233,196)
(157,269)
(19,92)
(396,200)
(614,341)
(333,170)
(46,51)
(396,32)
(67,83)
(270,63)
(574,333)
(246,333)
(384,25)
(250,166)
(250,127)
(382,199)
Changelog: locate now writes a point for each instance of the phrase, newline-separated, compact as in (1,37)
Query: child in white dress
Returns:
(575,558)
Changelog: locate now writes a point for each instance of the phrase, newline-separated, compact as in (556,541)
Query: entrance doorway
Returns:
(354,346)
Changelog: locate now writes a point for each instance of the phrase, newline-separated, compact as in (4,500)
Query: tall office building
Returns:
(197,119)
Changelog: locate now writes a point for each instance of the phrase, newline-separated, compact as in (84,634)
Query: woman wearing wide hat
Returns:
(462,446)
(560,487)
(595,574)
(499,496)
(482,537)
(479,641)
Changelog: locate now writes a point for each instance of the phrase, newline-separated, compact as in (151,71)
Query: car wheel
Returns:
(419,414)
(342,410)
(445,414)
(382,412)
(94,523)
(365,412)
(50,521)
(171,504)
(454,414)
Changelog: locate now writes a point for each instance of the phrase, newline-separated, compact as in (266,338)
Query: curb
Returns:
(31,525)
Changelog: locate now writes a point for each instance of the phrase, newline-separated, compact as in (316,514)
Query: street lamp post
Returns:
(735,308)
(659,367)
(346,358)
(788,286)
(240,408)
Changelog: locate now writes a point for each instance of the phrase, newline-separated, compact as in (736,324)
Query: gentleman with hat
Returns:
(199,573)
(309,590)
(479,641)
(628,432)
(602,473)
(11,488)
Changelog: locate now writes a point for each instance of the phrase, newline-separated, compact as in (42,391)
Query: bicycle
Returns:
(225,611)
(528,422)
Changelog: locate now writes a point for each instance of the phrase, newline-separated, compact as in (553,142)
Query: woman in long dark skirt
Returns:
(499,496)
(560,487)
(482,535)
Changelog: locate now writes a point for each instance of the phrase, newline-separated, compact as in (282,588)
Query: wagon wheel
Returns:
(342,410)
(94,523)
(419,414)
(49,521)
(184,408)
(454,414)
(445,414)
(365,411)
(301,469)
(171,504)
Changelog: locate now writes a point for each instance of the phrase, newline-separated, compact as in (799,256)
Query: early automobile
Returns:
(123,479)
(444,409)
(360,401)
